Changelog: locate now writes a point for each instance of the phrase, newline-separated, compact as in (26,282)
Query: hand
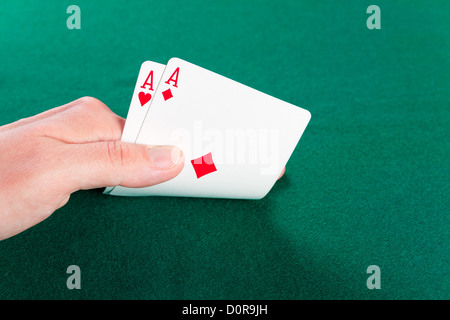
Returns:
(45,158)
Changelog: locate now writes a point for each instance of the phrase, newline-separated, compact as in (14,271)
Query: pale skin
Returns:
(47,157)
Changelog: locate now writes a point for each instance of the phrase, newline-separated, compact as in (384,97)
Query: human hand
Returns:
(45,158)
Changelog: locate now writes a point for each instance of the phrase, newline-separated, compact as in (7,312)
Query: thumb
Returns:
(112,163)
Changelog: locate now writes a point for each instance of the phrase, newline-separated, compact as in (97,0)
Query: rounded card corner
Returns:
(308,114)
(174,59)
(144,63)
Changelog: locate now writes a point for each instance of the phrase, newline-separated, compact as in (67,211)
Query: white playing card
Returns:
(236,140)
(147,81)
(146,84)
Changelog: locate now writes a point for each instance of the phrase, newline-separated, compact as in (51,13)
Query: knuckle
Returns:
(87,100)
(91,104)
(118,154)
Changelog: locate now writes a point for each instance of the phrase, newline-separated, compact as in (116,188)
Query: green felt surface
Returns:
(367,185)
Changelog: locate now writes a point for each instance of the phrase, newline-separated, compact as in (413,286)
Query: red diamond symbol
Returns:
(167,94)
(203,165)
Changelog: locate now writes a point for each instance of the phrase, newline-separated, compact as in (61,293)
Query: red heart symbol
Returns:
(144,97)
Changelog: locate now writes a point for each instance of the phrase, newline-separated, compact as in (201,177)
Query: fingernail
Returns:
(164,157)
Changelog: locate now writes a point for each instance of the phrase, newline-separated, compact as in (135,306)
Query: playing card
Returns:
(236,140)
(146,84)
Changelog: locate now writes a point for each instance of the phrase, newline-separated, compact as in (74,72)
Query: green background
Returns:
(367,185)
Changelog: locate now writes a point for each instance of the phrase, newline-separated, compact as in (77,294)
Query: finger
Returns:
(37,117)
(87,120)
(112,163)
(84,120)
